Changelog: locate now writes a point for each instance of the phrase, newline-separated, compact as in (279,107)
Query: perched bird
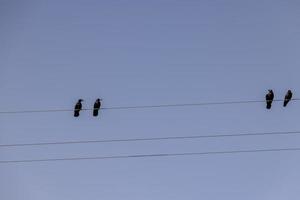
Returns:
(97,106)
(269,99)
(77,108)
(287,97)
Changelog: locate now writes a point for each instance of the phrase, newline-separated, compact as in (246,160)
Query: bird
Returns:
(287,97)
(97,106)
(77,108)
(269,99)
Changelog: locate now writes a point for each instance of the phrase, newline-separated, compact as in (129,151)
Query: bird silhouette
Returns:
(287,97)
(77,108)
(269,99)
(97,106)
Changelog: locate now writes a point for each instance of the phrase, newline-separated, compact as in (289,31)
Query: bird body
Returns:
(269,99)
(97,106)
(287,97)
(78,108)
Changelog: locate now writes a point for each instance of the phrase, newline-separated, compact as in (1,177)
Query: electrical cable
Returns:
(151,139)
(151,155)
(142,106)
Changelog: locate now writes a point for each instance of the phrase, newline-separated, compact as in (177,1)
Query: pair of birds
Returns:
(78,107)
(270,98)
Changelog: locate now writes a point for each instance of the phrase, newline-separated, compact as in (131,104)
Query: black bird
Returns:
(269,99)
(77,108)
(97,106)
(287,97)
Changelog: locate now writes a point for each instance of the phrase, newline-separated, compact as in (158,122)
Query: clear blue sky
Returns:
(138,52)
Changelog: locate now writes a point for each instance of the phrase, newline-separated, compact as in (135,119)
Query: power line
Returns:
(142,107)
(151,155)
(150,139)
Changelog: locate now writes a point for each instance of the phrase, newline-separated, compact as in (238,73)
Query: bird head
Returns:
(80,100)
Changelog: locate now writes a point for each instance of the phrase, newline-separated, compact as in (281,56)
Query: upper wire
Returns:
(142,106)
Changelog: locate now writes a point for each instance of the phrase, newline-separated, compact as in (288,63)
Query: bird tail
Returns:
(269,105)
(76,113)
(95,113)
(285,103)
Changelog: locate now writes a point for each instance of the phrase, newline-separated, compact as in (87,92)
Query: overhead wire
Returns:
(151,155)
(147,139)
(151,139)
(142,106)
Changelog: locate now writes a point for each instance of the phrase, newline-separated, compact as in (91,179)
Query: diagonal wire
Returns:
(143,106)
(151,155)
(152,139)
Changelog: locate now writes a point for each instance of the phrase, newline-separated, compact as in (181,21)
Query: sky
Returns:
(138,52)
